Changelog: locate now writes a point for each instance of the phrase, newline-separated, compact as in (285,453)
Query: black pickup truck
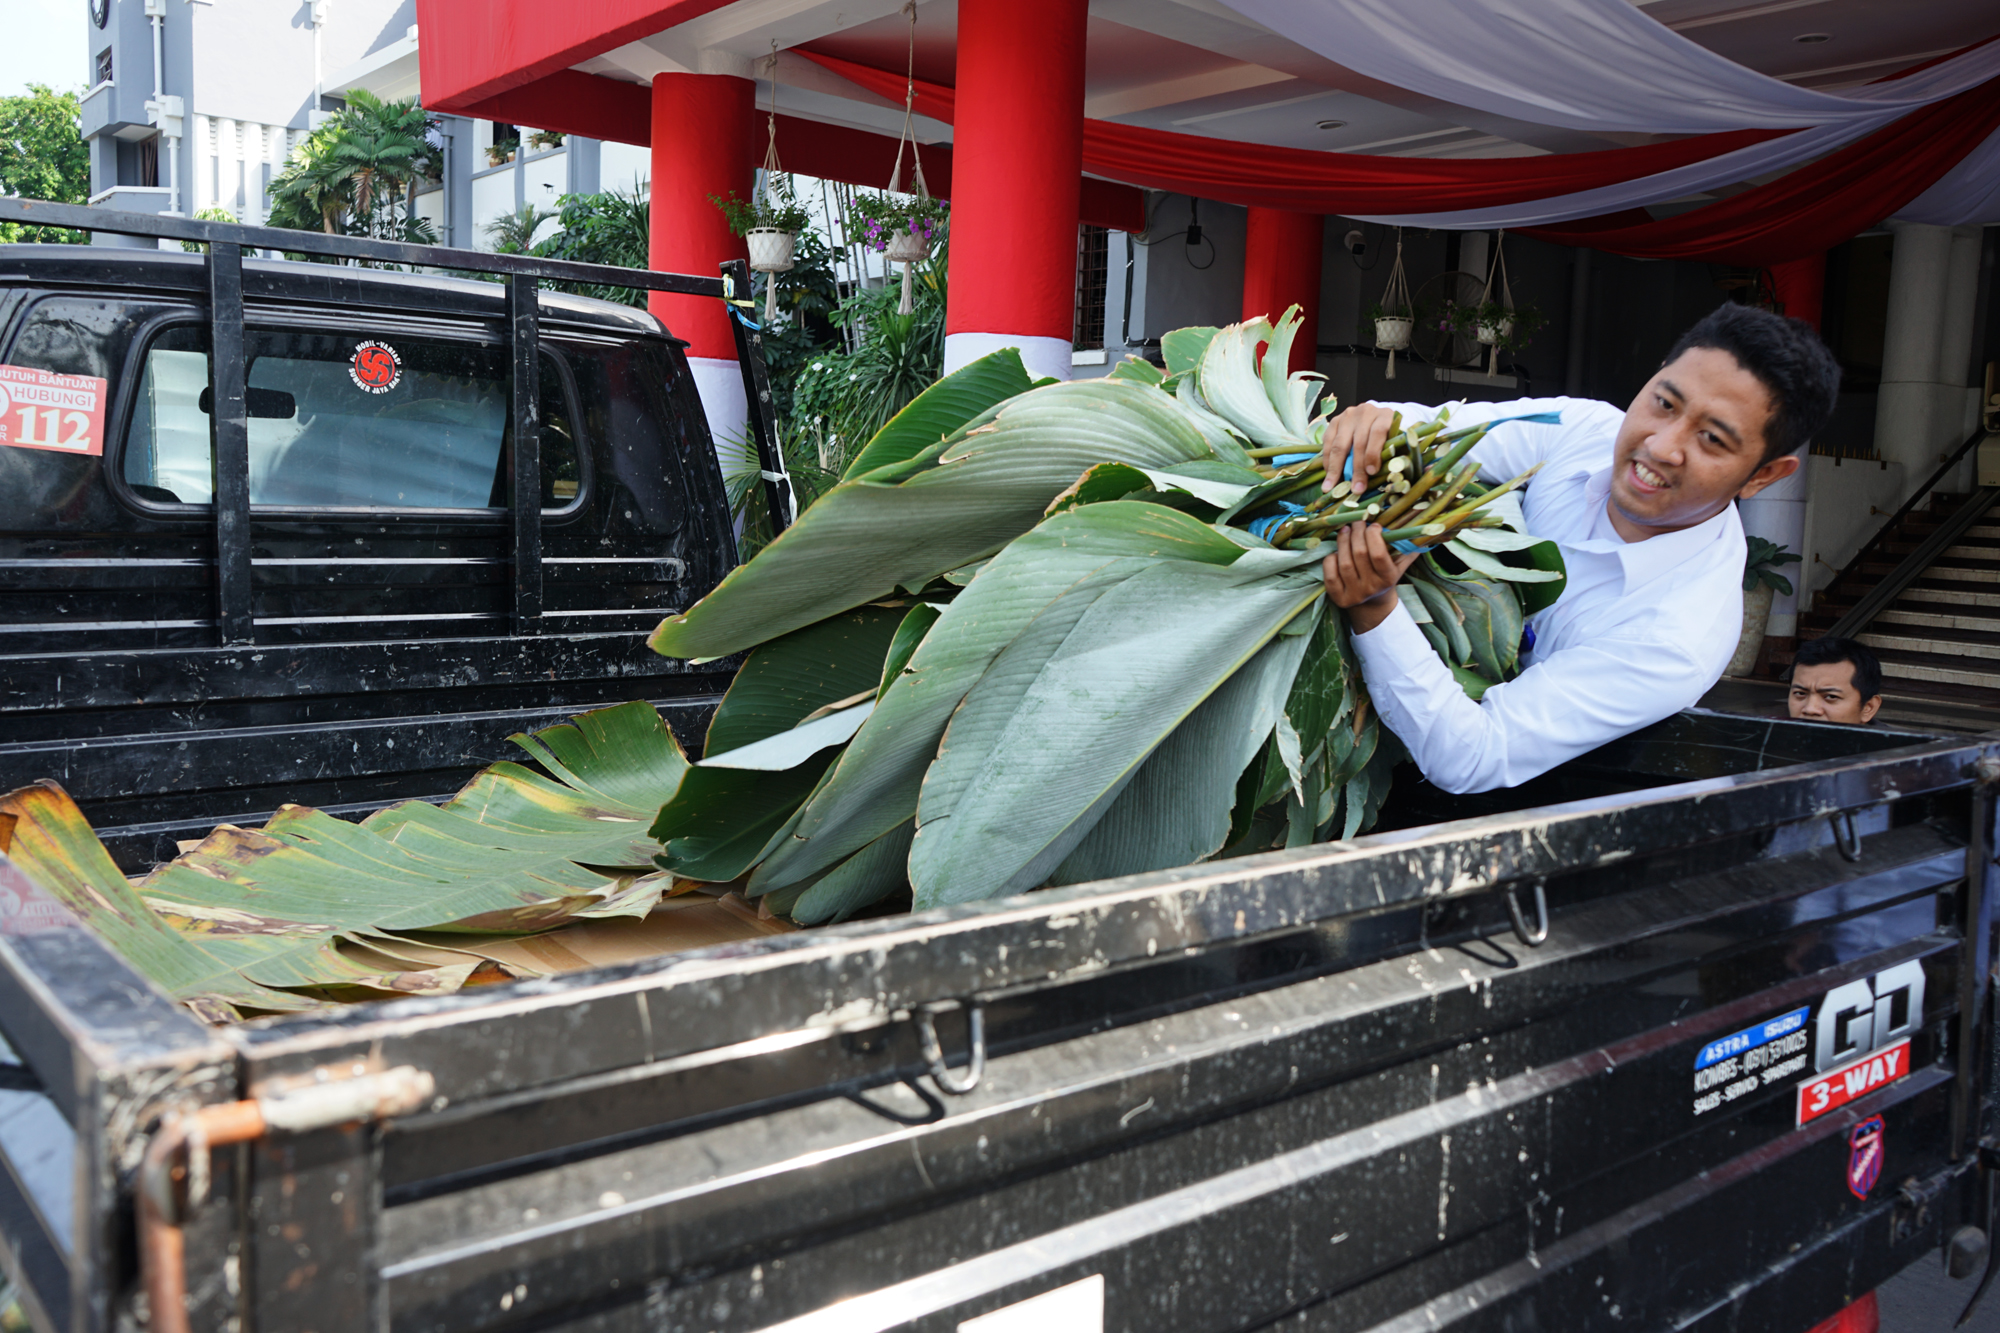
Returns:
(1695,1032)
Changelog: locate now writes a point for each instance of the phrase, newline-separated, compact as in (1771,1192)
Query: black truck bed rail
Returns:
(1330,1088)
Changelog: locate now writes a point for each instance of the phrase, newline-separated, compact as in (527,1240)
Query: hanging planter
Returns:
(1392,332)
(1395,317)
(771,222)
(902,224)
(1497,323)
(770,249)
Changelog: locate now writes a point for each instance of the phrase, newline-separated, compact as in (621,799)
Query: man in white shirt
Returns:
(1641,504)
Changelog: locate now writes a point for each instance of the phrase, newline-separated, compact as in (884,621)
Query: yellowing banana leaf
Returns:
(864,539)
(54,845)
(873,786)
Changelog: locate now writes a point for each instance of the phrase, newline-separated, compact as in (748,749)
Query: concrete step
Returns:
(1972,622)
(1909,668)
(1979,648)
(1949,597)
(1961,571)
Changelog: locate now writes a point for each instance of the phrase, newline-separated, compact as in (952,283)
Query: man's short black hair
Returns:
(1788,359)
(1825,652)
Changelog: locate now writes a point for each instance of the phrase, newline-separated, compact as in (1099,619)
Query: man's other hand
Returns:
(1361,430)
(1361,575)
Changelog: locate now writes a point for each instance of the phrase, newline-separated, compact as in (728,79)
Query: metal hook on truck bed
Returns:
(933,1051)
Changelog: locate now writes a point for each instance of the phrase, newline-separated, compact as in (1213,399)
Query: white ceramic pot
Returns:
(1489,334)
(770,249)
(1756,618)
(1392,333)
(908,247)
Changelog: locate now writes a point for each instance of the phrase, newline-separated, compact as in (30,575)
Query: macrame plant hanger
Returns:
(1396,303)
(1499,267)
(771,172)
(909,139)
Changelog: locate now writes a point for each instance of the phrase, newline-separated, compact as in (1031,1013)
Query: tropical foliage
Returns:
(43,156)
(514,233)
(358,172)
(1037,634)
(1760,565)
(772,206)
(1110,651)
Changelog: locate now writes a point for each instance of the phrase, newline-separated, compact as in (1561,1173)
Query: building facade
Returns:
(197,104)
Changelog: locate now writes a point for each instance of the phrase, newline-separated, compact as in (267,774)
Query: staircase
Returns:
(1939,636)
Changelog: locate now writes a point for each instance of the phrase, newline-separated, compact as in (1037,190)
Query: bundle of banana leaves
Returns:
(1038,634)
(1095,635)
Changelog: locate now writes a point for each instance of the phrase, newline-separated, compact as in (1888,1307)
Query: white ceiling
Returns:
(1198,67)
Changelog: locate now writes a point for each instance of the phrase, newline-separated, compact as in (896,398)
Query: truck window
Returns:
(346,421)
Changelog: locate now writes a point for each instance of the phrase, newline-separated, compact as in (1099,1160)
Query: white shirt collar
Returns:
(1643,561)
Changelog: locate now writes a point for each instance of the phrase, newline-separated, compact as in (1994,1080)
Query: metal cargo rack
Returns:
(1439,1071)
(228,242)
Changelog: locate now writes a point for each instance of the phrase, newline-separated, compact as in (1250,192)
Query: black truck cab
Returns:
(386,658)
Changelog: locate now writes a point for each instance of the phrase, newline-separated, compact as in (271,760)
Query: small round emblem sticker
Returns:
(375,367)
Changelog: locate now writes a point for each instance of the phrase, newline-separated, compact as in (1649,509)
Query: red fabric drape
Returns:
(1815,207)
(1303,181)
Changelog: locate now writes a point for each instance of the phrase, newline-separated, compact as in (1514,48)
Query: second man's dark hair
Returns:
(1825,652)
(1787,358)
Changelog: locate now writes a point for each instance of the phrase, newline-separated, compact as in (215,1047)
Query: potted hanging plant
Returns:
(769,224)
(1508,328)
(1392,327)
(1761,580)
(900,225)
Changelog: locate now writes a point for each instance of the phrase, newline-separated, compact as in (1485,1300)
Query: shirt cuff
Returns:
(1393,641)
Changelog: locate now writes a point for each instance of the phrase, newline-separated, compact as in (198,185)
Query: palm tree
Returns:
(350,175)
(514,233)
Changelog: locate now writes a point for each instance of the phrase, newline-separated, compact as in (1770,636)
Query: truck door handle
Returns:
(933,1051)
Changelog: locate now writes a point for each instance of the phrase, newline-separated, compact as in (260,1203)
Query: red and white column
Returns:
(1017,158)
(1281,268)
(704,143)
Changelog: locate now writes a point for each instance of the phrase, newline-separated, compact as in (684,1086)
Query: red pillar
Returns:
(1281,268)
(1800,286)
(704,143)
(1017,158)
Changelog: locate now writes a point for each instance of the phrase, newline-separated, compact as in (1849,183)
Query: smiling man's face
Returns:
(1693,440)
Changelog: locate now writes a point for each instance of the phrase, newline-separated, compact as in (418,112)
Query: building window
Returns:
(1093,250)
(104,65)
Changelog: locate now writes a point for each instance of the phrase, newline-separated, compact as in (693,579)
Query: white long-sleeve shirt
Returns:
(1641,631)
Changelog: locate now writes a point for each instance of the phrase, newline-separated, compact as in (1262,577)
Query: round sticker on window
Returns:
(375,368)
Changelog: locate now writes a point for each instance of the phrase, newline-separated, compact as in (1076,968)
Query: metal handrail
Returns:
(1847,625)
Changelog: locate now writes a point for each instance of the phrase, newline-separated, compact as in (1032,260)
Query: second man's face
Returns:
(1692,441)
(1826,693)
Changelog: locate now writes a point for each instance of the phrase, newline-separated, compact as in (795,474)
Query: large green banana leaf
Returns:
(873,786)
(1051,735)
(962,397)
(864,539)
(1176,809)
(716,821)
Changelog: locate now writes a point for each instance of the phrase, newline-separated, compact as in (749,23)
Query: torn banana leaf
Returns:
(250,913)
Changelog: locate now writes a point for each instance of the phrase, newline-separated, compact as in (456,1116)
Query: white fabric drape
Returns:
(1603,65)
(1599,65)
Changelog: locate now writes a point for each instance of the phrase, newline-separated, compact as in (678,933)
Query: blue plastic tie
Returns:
(1286,460)
(1262,528)
(1403,547)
